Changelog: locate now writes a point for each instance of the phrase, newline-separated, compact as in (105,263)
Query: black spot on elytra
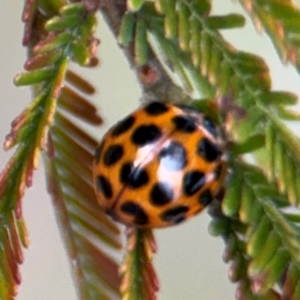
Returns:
(98,152)
(131,208)
(208,150)
(184,123)
(156,108)
(145,134)
(173,157)
(205,197)
(210,126)
(175,215)
(133,177)
(122,126)
(104,186)
(193,181)
(161,194)
(112,155)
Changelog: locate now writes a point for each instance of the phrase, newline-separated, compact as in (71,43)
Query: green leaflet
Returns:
(231,202)
(201,7)
(257,237)
(275,269)
(290,180)
(52,7)
(218,227)
(280,9)
(183,26)
(288,115)
(253,143)
(293,217)
(270,148)
(141,43)
(61,23)
(127,29)
(266,253)
(53,42)
(247,205)
(71,9)
(174,59)
(225,22)
(43,60)
(205,48)
(80,53)
(195,31)
(278,97)
(171,19)
(33,77)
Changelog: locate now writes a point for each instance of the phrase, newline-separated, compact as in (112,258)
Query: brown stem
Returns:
(154,81)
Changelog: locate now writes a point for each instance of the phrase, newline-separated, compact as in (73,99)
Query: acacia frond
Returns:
(262,240)
(207,63)
(92,239)
(190,43)
(53,42)
(280,19)
(139,280)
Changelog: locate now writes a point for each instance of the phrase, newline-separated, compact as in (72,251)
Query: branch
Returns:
(153,79)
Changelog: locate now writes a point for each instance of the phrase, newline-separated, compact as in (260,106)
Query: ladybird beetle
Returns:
(159,166)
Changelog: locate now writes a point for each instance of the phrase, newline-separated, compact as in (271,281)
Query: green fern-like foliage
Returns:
(282,26)
(160,38)
(47,125)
